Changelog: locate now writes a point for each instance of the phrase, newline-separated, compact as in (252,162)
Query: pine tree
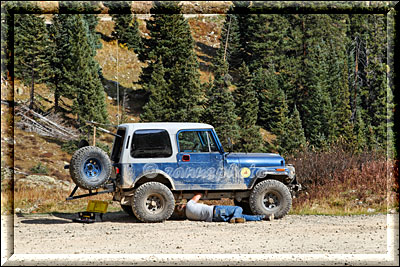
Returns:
(89,103)
(341,127)
(360,134)
(75,70)
(367,76)
(126,29)
(171,40)
(273,106)
(292,139)
(61,59)
(8,8)
(247,110)
(219,109)
(79,7)
(91,21)
(156,109)
(273,113)
(229,49)
(377,81)
(30,45)
(55,58)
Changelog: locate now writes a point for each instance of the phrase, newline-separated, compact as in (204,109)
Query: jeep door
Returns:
(200,162)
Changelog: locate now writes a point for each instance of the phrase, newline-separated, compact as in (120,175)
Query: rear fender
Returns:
(155,176)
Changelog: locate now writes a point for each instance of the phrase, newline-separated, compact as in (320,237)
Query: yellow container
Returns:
(97,206)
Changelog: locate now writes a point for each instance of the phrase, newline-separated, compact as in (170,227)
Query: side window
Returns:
(213,144)
(117,146)
(193,141)
(151,144)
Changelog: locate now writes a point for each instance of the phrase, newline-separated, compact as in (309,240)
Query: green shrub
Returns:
(70,146)
(104,147)
(40,169)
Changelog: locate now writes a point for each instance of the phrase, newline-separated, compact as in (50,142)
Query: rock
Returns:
(33,181)
(393,211)
(41,179)
(371,210)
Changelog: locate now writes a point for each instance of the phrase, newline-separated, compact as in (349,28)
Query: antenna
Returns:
(117,84)
(227,36)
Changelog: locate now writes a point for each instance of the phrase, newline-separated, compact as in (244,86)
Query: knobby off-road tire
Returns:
(153,202)
(90,167)
(271,197)
(129,211)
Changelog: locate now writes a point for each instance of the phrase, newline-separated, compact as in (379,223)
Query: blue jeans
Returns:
(225,213)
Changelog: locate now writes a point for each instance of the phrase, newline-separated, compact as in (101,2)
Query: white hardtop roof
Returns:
(169,126)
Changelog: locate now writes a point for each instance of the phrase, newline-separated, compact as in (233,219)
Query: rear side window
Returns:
(151,144)
(117,147)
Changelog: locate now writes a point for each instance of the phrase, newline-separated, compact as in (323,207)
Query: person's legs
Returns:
(235,214)
(226,213)
(253,217)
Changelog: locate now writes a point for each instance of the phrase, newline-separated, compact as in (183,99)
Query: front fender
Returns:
(285,174)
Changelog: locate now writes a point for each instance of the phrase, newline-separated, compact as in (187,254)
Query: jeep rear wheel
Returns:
(90,167)
(271,197)
(153,202)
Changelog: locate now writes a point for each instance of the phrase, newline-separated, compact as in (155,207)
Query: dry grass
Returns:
(341,183)
(42,200)
(121,65)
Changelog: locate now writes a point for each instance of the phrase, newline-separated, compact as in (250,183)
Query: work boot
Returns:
(240,220)
(269,217)
(237,220)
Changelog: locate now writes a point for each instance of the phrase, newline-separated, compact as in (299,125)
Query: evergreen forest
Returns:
(280,82)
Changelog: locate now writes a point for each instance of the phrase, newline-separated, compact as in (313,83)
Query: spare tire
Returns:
(90,167)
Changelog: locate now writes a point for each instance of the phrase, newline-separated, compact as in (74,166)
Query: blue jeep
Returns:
(154,165)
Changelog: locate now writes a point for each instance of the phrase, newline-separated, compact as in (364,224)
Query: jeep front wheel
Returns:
(153,202)
(271,197)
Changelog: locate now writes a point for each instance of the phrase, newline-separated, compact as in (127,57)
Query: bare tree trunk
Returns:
(56,99)
(32,89)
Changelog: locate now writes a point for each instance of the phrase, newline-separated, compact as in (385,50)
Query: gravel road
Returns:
(357,240)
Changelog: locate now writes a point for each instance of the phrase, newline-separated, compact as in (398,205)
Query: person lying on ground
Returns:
(201,212)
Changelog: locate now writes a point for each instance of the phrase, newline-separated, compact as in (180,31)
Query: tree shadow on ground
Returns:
(206,49)
(136,99)
(66,218)
(106,38)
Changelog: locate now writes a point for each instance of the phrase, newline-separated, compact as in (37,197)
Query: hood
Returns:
(256,159)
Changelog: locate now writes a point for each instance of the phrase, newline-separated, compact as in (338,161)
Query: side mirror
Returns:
(230,145)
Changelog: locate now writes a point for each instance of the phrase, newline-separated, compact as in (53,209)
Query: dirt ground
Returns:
(297,240)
